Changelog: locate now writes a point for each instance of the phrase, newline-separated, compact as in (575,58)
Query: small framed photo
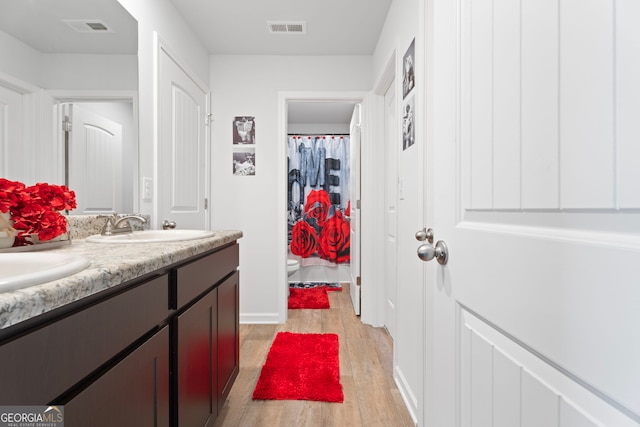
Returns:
(244,130)
(244,161)
(408,125)
(408,70)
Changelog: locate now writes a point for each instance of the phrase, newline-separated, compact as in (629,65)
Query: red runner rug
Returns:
(309,298)
(301,367)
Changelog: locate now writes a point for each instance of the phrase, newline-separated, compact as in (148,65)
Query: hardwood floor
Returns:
(371,396)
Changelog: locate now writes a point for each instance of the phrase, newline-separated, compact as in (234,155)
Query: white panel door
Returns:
(11,138)
(536,158)
(392,145)
(354,224)
(182,169)
(95,161)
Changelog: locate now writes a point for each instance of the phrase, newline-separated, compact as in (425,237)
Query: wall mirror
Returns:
(68,91)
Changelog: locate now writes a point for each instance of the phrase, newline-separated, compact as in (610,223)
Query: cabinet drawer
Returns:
(135,392)
(38,367)
(198,276)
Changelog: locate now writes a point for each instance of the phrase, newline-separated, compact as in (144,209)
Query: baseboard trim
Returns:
(259,318)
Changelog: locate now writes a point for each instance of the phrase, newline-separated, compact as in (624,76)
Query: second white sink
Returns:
(151,236)
(24,269)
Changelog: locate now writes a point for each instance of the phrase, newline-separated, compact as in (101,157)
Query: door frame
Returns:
(381,87)
(369,182)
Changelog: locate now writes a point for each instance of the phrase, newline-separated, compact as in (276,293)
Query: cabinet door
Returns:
(135,392)
(196,359)
(228,336)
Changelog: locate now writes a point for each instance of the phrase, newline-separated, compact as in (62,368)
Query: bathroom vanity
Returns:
(147,335)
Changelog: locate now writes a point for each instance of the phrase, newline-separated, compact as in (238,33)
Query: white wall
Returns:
(67,71)
(19,60)
(249,85)
(318,128)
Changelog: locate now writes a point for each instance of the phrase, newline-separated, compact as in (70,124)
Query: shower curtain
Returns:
(318,202)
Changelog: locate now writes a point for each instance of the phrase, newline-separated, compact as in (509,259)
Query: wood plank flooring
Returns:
(371,396)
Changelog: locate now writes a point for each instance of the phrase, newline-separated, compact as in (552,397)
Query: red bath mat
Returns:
(309,298)
(301,367)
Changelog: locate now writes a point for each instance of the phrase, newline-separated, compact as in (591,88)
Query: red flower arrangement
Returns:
(35,210)
(322,229)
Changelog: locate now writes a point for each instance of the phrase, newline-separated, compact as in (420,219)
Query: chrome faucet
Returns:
(118,225)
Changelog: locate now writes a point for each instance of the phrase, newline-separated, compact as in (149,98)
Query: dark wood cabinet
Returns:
(135,392)
(196,357)
(39,366)
(158,351)
(207,337)
(228,336)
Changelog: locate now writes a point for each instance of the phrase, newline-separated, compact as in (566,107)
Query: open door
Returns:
(95,161)
(354,151)
(535,136)
(184,157)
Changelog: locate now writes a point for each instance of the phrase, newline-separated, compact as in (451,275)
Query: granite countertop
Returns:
(111,265)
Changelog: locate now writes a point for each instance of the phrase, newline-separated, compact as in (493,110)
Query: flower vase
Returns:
(7,233)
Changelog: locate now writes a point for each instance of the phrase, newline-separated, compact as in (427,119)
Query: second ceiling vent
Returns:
(287,27)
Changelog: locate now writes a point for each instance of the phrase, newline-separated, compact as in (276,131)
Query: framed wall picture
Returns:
(408,125)
(244,161)
(244,130)
(408,70)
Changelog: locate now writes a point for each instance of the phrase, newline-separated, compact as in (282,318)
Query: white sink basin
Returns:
(151,236)
(24,269)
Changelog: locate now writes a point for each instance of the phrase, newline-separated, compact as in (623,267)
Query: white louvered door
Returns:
(537,195)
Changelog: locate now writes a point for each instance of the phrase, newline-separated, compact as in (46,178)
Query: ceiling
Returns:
(41,25)
(332,27)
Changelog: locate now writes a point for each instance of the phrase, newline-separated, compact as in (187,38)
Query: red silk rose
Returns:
(35,210)
(334,239)
(58,197)
(303,239)
(317,206)
(9,194)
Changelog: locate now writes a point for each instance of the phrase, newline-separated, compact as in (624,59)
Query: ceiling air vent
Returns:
(88,25)
(287,27)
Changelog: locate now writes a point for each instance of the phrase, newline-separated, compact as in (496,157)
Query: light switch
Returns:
(147,188)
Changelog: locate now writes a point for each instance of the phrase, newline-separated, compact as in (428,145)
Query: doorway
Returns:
(304,114)
(78,115)
(97,146)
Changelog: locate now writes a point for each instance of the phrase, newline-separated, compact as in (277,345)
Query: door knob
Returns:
(425,234)
(440,252)
(168,225)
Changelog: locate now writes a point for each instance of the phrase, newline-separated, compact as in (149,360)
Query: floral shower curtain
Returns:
(319,205)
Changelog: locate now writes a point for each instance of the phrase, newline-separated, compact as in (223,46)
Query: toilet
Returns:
(292,266)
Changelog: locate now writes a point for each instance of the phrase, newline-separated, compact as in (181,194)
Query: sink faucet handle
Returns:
(108,225)
(168,225)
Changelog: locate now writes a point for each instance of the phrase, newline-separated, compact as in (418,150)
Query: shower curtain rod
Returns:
(318,134)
